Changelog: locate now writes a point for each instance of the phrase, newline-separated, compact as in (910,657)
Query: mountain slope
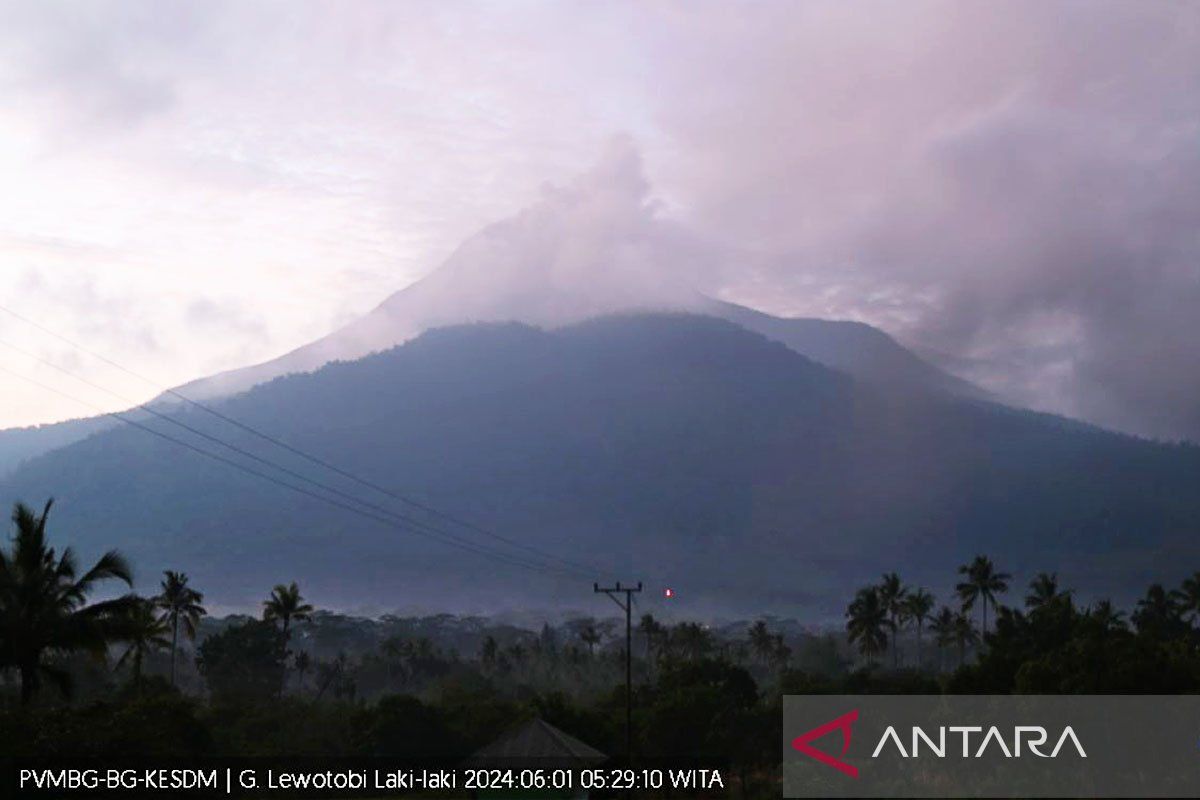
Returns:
(681,450)
(858,349)
(855,348)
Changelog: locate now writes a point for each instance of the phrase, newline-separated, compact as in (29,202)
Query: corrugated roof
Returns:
(538,739)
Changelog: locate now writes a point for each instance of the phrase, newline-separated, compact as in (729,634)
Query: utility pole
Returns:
(627,607)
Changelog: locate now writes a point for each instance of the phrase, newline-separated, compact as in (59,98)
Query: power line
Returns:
(423,530)
(405,519)
(575,565)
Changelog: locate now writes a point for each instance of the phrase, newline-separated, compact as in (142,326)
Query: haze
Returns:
(1012,189)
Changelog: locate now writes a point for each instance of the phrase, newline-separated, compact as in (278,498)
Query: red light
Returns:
(668,593)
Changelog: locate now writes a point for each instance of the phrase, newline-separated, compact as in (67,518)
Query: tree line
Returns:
(1163,624)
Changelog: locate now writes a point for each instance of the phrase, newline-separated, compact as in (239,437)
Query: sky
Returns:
(1010,188)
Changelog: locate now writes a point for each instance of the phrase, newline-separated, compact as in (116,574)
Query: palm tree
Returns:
(917,607)
(780,652)
(43,603)
(179,603)
(302,663)
(982,583)
(943,630)
(590,636)
(1188,597)
(1158,613)
(1043,590)
(286,605)
(891,595)
(866,620)
(1108,617)
(692,641)
(761,641)
(145,631)
(964,635)
(651,629)
(489,651)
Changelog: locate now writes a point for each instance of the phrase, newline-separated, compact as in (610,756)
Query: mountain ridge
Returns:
(680,448)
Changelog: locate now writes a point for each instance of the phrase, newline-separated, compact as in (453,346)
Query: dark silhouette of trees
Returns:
(1107,617)
(690,641)
(180,603)
(145,631)
(762,642)
(866,623)
(302,663)
(1187,598)
(286,606)
(1159,614)
(982,584)
(1043,590)
(244,662)
(892,594)
(43,603)
(652,630)
(965,635)
(918,605)
(489,652)
(403,726)
(944,633)
(590,636)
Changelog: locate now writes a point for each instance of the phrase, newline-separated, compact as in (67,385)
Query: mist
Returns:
(1011,189)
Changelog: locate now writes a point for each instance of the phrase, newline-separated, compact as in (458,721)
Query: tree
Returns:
(179,603)
(762,643)
(696,707)
(145,632)
(286,605)
(982,584)
(1188,598)
(1108,617)
(1043,590)
(489,652)
(866,620)
(964,635)
(243,662)
(590,636)
(691,640)
(651,629)
(302,663)
(891,595)
(43,603)
(780,652)
(917,608)
(943,630)
(1158,614)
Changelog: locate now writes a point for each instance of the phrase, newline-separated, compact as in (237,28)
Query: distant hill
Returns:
(682,450)
(19,444)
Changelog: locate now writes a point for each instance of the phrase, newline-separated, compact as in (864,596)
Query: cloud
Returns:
(1011,186)
(1015,185)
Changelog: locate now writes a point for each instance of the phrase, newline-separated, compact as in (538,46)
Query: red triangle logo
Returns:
(842,723)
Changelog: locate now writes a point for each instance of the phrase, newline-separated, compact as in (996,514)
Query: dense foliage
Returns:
(305,682)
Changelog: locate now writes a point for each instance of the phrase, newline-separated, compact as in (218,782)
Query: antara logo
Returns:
(842,723)
(1033,737)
